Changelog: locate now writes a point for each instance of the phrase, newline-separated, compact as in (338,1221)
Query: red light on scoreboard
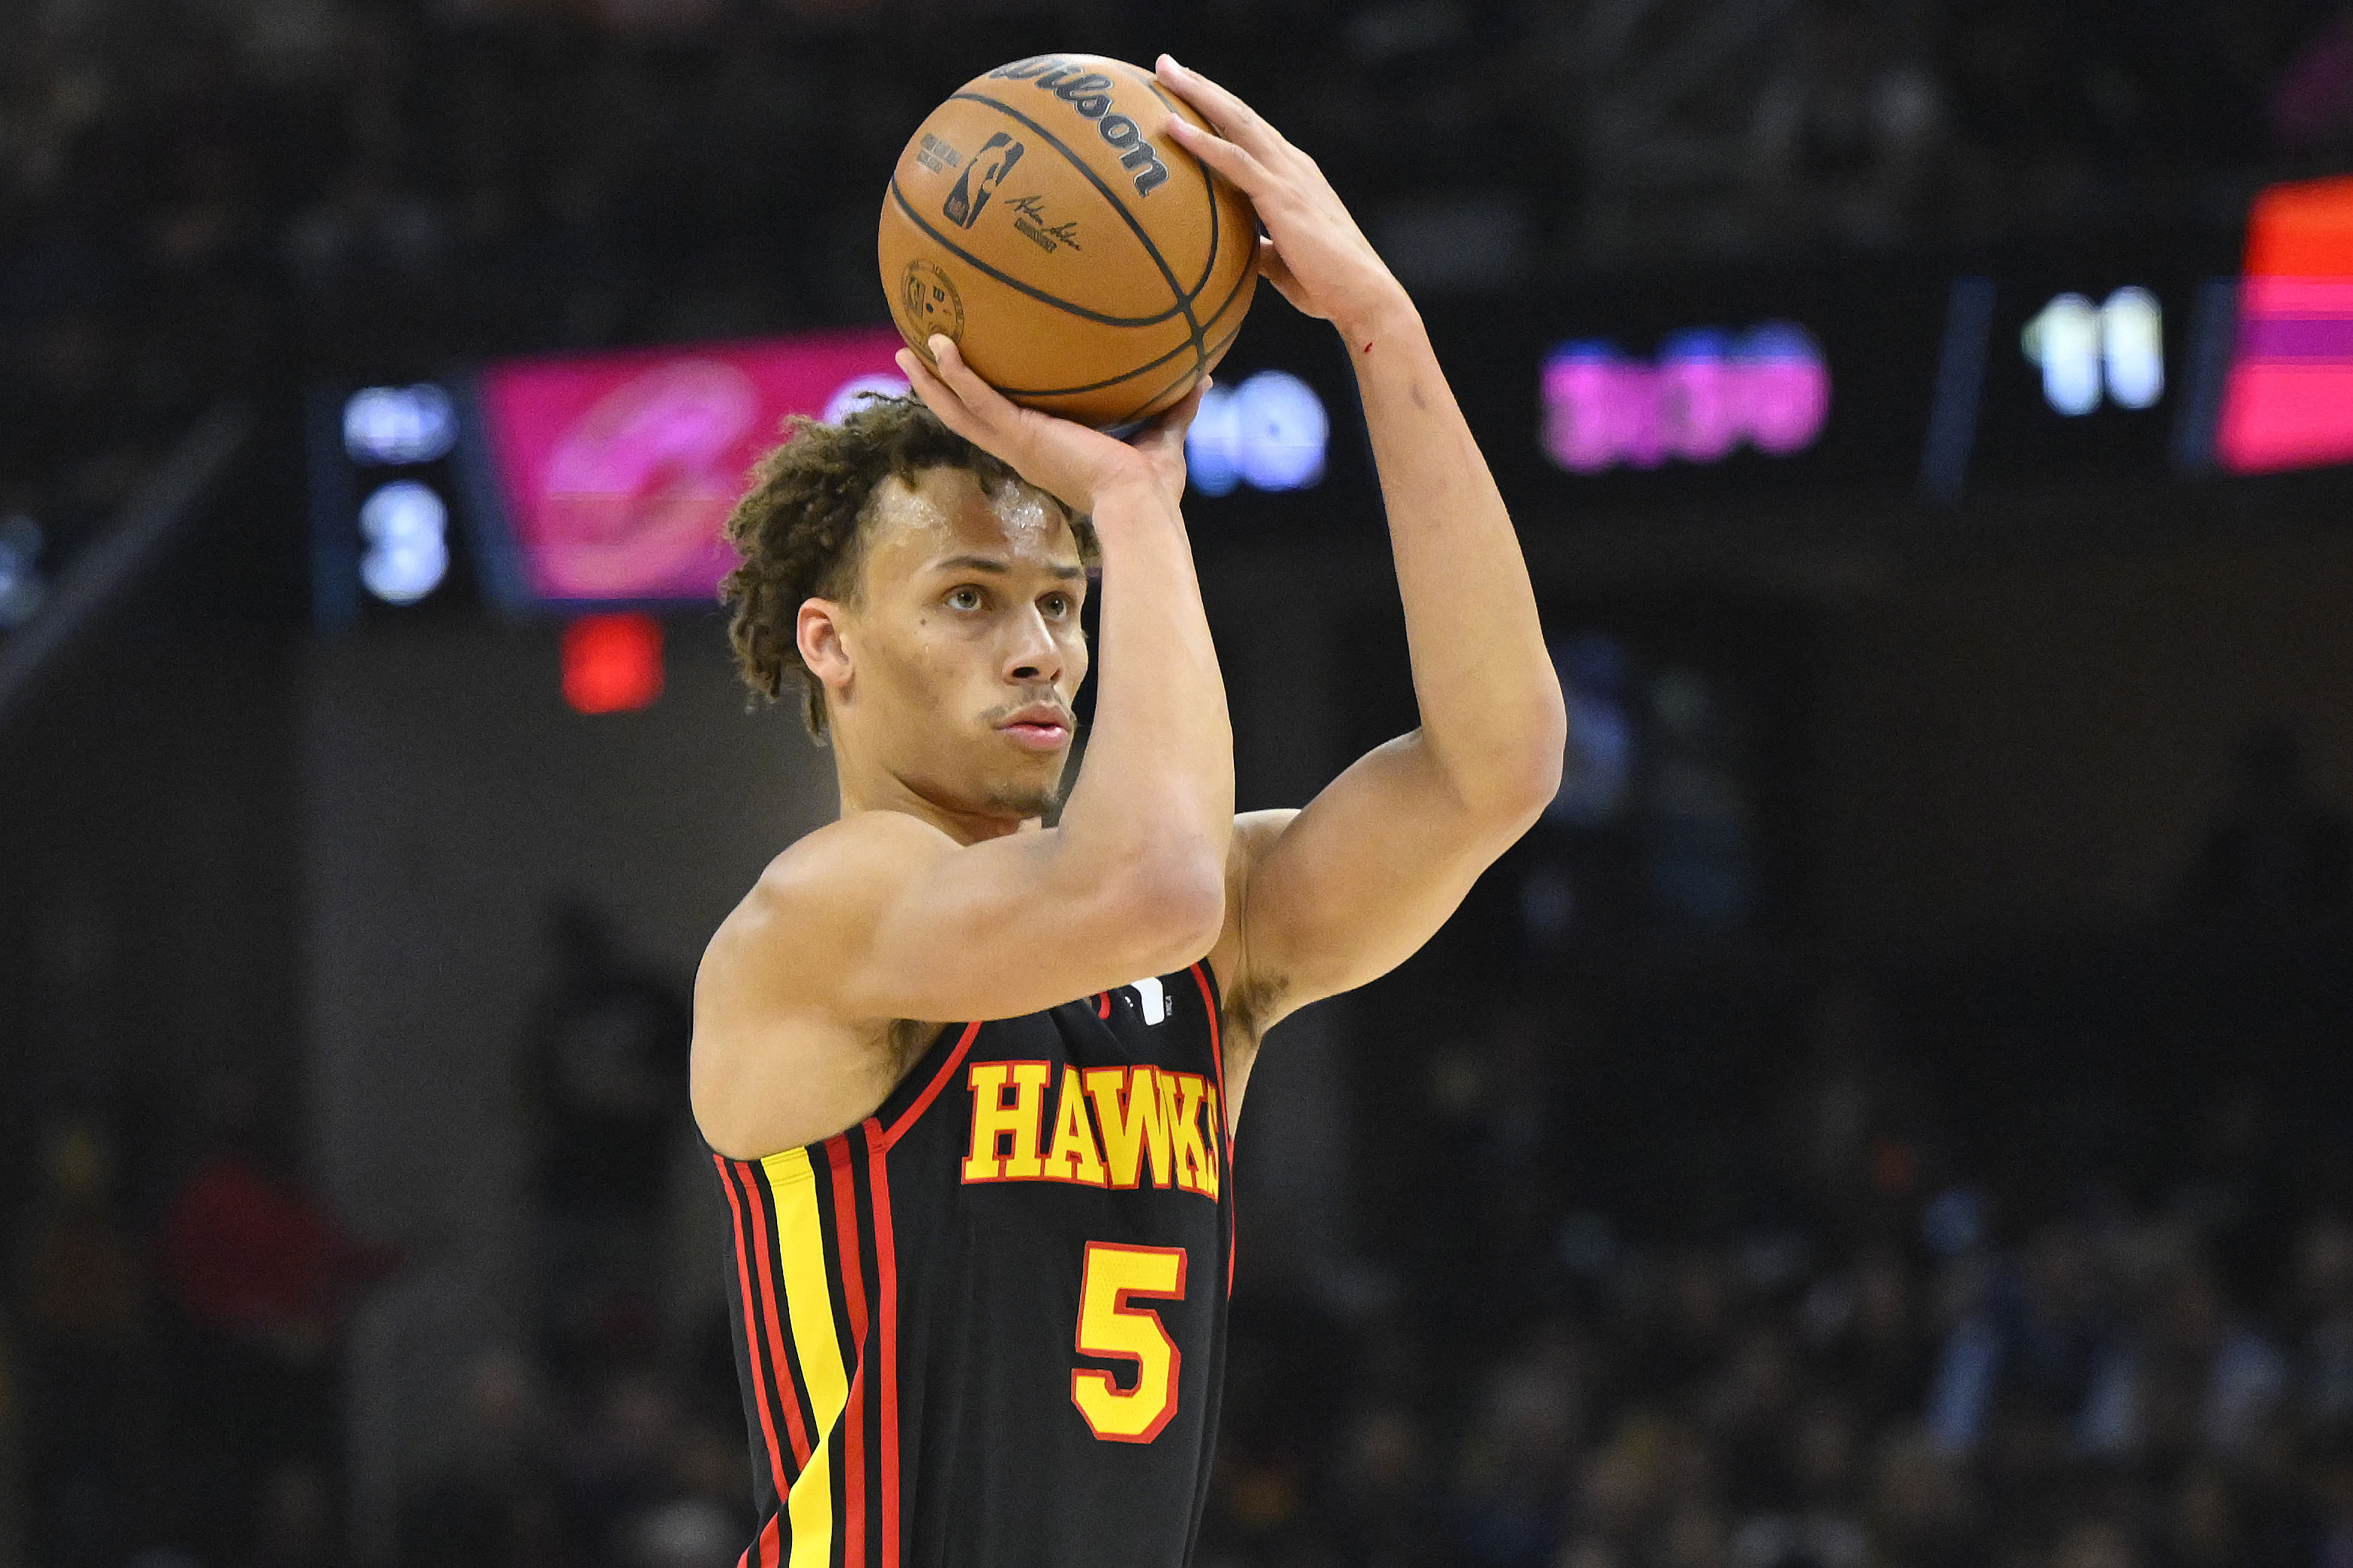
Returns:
(2288,403)
(612,664)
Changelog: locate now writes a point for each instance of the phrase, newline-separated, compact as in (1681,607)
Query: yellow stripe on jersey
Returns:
(817,1346)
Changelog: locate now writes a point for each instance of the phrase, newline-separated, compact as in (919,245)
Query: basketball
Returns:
(1084,263)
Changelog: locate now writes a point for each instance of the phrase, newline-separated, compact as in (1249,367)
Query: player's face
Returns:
(966,647)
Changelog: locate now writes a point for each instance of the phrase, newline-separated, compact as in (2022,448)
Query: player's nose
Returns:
(1032,653)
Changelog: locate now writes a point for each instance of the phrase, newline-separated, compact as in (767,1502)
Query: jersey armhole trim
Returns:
(1203,977)
(922,1101)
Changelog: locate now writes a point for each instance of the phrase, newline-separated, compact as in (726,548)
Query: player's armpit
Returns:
(1346,888)
(881,915)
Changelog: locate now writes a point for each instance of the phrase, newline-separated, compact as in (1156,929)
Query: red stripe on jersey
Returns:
(1225,1117)
(1209,1006)
(788,1382)
(932,1089)
(772,1548)
(853,1290)
(886,1264)
(752,1336)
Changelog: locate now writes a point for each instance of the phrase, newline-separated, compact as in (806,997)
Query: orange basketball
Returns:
(1085,264)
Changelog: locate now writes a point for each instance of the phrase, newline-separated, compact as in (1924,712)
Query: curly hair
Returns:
(799,532)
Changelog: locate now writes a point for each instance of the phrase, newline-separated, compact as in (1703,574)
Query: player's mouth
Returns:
(1039,727)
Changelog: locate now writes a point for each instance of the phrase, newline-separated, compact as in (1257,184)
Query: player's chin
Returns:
(1027,798)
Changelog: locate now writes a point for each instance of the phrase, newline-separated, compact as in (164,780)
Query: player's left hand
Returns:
(1313,251)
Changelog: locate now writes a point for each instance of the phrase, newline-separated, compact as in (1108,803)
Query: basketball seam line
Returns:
(1209,321)
(1209,181)
(1011,282)
(1168,273)
(1216,348)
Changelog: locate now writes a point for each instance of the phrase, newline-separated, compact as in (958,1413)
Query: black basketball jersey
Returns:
(985,1328)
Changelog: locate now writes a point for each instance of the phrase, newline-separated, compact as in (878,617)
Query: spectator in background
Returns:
(2323,1379)
(261,1276)
(622,1474)
(2197,1381)
(497,1499)
(298,1524)
(1383,1504)
(605,1069)
(84,1288)
(2274,852)
(1521,1450)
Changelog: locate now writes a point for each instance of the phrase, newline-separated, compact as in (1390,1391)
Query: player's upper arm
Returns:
(881,916)
(1349,887)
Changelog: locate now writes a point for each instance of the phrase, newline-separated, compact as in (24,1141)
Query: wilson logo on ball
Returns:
(1089,93)
(963,204)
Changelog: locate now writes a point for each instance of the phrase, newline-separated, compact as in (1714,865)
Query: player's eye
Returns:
(1058,604)
(964,598)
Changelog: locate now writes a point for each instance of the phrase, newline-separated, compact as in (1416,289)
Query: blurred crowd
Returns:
(1954,1298)
(1926,1350)
(171,1345)
(2094,1398)
(202,198)
(2097,1393)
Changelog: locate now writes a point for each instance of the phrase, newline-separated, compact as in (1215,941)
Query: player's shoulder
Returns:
(847,855)
(827,881)
(850,848)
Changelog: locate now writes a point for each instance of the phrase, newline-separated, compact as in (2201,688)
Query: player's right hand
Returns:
(1075,465)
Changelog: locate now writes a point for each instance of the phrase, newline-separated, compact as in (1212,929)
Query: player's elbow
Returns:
(1509,785)
(1535,770)
(1169,910)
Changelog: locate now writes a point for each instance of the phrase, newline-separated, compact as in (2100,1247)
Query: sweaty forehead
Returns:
(947,512)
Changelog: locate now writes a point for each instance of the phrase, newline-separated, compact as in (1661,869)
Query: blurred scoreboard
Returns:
(2288,401)
(564,484)
(561,483)
(1670,391)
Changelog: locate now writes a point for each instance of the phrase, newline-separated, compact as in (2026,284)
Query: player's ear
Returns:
(823,639)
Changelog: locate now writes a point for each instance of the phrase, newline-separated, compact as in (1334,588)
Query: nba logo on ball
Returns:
(1084,263)
(965,203)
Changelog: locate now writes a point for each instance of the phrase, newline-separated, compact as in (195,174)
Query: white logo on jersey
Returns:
(1152,998)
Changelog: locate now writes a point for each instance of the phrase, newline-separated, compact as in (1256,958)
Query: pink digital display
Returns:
(617,469)
(2289,400)
(1707,394)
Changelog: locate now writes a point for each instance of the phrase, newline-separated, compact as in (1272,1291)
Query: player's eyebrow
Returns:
(990,563)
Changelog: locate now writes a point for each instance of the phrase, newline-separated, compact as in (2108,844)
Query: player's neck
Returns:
(869,788)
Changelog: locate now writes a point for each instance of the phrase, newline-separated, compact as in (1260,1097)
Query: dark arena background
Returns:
(1895,1112)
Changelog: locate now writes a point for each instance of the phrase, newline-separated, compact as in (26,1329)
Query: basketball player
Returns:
(970,1082)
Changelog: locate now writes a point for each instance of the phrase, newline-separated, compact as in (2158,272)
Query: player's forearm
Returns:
(1155,798)
(1491,715)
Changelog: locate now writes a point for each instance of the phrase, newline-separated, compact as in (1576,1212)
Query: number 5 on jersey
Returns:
(1110,1328)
